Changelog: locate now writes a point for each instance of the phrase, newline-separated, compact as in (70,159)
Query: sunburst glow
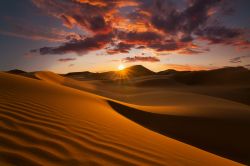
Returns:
(121,67)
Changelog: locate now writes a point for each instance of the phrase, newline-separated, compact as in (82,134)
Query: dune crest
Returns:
(60,80)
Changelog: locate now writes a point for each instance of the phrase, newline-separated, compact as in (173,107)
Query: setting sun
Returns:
(121,67)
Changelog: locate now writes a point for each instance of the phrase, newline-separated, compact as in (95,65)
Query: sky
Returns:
(98,35)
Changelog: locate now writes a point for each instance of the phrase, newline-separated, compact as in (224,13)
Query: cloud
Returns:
(121,47)
(140,37)
(95,16)
(66,59)
(103,3)
(152,40)
(74,13)
(238,59)
(168,45)
(160,25)
(172,20)
(140,59)
(22,29)
(218,34)
(189,51)
(235,60)
(77,46)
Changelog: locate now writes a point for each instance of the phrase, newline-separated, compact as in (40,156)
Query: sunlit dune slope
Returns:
(47,124)
(56,79)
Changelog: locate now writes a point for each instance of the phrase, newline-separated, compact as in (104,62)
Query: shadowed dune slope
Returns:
(47,124)
(212,124)
(227,137)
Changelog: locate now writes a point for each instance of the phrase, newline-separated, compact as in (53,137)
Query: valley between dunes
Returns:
(54,120)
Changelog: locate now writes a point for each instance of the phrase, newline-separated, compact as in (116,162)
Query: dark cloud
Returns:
(223,35)
(218,34)
(151,40)
(141,59)
(66,59)
(78,46)
(188,20)
(167,45)
(140,37)
(197,14)
(227,7)
(121,47)
(170,24)
(187,38)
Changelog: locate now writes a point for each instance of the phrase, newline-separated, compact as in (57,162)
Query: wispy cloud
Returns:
(66,59)
(140,59)
(23,29)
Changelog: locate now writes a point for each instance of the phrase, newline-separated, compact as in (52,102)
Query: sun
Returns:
(121,67)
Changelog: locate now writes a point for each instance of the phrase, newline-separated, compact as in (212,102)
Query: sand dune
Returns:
(214,123)
(49,124)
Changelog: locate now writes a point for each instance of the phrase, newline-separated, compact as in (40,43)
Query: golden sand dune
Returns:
(49,124)
(209,123)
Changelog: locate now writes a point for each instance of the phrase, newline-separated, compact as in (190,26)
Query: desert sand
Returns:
(55,120)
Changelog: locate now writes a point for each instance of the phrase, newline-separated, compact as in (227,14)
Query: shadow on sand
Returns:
(228,138)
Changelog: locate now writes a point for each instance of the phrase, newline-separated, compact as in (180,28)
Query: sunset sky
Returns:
(99,35)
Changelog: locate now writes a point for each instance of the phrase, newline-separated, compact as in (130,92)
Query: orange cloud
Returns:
(117,3)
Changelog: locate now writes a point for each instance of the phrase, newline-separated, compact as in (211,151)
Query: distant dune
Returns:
(131,72)
(17,71)
(22,73)
(228,75)
(232,83)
